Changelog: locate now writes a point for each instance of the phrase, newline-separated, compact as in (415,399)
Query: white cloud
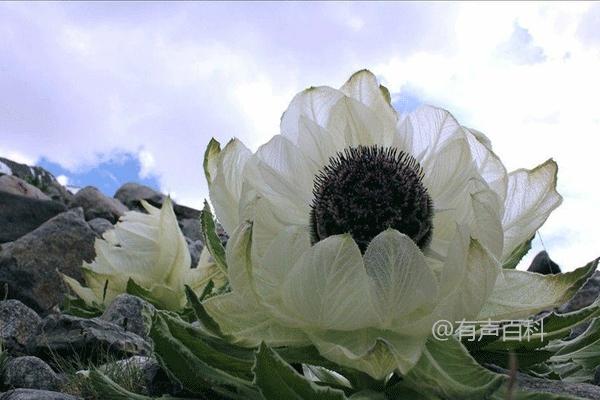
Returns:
(83,82)
(63,180)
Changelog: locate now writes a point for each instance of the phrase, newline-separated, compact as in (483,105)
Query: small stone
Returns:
(30,373)
(14,185)
(131,313)
(542,264)
(29,265)
(97,205)
(20,215)
(33,394)
(100,225)
(131,193)
(67,335)
(18,325)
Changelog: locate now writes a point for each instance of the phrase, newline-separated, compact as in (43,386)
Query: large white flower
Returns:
(150,250)
(356,229)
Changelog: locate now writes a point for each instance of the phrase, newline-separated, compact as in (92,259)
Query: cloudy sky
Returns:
(103,93)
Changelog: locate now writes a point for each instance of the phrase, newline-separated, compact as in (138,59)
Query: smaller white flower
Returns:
(149,249)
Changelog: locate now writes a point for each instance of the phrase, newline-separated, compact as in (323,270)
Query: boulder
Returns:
(191,228)
(131,313)
(100,225)
(20,215)
(29,265)
(30,373)
(542,264)
(33,394)
(195,249)
(18,325)
(95,338)
(40,178)
(131,193)
(97,205)
(14,185)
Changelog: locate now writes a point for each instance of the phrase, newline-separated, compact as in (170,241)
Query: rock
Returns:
(542,264)
(97,205)
(131,193)
(131,313)
(100,225)
(32,394)
(30,373)
(195,249)
(531,384)
(28,265)
(40,178)
(20,215)
(67,335)
(14,185)
(18,325)
(191,228)
(585,296)
(155,380)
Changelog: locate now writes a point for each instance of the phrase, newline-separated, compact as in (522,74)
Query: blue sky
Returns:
(102,93)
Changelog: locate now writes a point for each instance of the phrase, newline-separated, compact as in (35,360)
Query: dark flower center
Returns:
(367,189)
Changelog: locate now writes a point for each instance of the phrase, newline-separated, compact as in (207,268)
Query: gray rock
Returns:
(14,185)
(585,296)
(40,178)
(20,215)
(97,205)
(18,325)
(29,265)
(100,225)
(155,380)
(542,264)
(191,228)
(33,394)
(131,193)
(30,373)
(67,335)
(131,313)
(531,384)
(195,249)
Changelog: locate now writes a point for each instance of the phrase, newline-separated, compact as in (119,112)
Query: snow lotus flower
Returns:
(356,229)
(150,250)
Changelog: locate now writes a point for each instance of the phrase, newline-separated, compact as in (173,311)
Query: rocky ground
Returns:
(45,228)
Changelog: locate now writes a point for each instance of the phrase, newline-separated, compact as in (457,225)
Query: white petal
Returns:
(314,103)
(530,198)
(357,123)
(404,288)
(328,287)
(226,185)
(363,87)
(429,129)
(488,163)
(519,294)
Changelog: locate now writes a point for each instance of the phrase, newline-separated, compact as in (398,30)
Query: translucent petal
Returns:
(519,294)
(328,287)
(531,197)
(375,352)
(225,186)
(404,288)
(489,165)
(84,293)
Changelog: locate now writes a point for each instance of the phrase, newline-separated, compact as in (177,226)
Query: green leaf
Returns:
(77,307)
(278,380)
(110,390)
(201,314)
(517,254)
(136,290)
(194,374)
(211,239)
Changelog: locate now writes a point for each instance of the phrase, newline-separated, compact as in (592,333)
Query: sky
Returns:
(103,93)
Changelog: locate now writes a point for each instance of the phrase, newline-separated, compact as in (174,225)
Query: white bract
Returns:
(373,308)
(149,249)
